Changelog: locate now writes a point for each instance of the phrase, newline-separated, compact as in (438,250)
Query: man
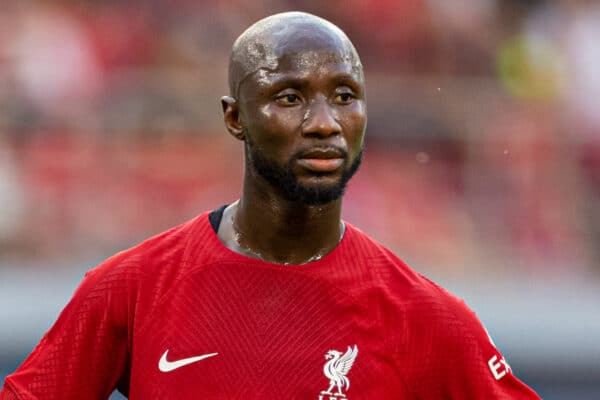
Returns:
(273,296)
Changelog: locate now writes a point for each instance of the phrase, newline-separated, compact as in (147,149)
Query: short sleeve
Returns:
(487,374)
(448,354)
(84,355)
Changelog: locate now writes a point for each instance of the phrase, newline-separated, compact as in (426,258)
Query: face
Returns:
(304,124)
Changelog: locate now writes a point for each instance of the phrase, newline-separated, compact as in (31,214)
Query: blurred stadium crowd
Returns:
(483,149)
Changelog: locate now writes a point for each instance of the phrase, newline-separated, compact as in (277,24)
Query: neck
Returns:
(264,225)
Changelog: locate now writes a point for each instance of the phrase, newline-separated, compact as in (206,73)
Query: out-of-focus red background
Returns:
(482,160)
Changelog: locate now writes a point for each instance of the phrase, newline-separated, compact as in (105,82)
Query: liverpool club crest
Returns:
(336,368)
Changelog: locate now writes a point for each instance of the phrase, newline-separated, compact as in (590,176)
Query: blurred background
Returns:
(482,162)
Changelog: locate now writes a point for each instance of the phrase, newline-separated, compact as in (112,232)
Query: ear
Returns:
(231,116)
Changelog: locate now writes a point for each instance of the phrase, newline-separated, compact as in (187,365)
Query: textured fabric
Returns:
(356,324)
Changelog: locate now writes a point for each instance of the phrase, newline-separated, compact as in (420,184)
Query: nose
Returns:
(321,120)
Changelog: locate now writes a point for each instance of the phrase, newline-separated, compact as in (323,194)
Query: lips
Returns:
(322,159)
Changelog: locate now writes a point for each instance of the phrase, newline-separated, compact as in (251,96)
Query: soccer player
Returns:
(272,296)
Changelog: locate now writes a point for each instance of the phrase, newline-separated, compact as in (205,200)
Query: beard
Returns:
(283,178)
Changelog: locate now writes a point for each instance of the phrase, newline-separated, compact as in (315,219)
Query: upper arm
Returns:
(85,353)
(448,354)
(486,371)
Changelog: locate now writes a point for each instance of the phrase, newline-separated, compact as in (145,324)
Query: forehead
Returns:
(306,59)
(307,65)
(310,64)
(301,47)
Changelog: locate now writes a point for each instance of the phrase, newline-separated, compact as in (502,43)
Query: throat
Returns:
(284,243)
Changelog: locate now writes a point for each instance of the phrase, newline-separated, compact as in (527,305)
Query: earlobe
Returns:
(231,117)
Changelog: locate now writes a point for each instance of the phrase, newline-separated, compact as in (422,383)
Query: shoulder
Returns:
(158,256)
(423,292)
(444,348)
(448,351)
(440,322)
(430,313)
(386,269)
(134,280)
(420,307)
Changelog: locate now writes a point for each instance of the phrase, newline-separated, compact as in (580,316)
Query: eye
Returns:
(288,99)
(344,97)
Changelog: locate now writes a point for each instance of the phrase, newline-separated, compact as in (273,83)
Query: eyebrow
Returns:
(349,79)
(343,78)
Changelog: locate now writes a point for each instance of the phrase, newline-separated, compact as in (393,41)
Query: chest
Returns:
(259,336)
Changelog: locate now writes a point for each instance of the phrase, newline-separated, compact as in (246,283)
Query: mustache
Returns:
(327,151)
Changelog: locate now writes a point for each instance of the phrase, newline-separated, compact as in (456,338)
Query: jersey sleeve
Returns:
(84,355)
(487,372)
(457,358)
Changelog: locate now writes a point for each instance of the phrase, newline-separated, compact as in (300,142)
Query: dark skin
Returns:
(304,108)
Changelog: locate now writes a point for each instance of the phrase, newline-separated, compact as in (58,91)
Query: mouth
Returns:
(322,160)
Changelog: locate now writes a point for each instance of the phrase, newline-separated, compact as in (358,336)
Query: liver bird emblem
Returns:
(337,367)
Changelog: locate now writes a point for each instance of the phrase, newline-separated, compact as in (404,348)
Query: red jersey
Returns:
(181,316)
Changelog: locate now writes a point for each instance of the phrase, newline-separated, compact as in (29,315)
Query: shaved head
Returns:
(262,45)
(297,100)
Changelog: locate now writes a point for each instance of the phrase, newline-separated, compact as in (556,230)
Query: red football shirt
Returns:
(181,316)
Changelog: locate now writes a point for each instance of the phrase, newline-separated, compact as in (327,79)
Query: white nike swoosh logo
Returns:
(167,366)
